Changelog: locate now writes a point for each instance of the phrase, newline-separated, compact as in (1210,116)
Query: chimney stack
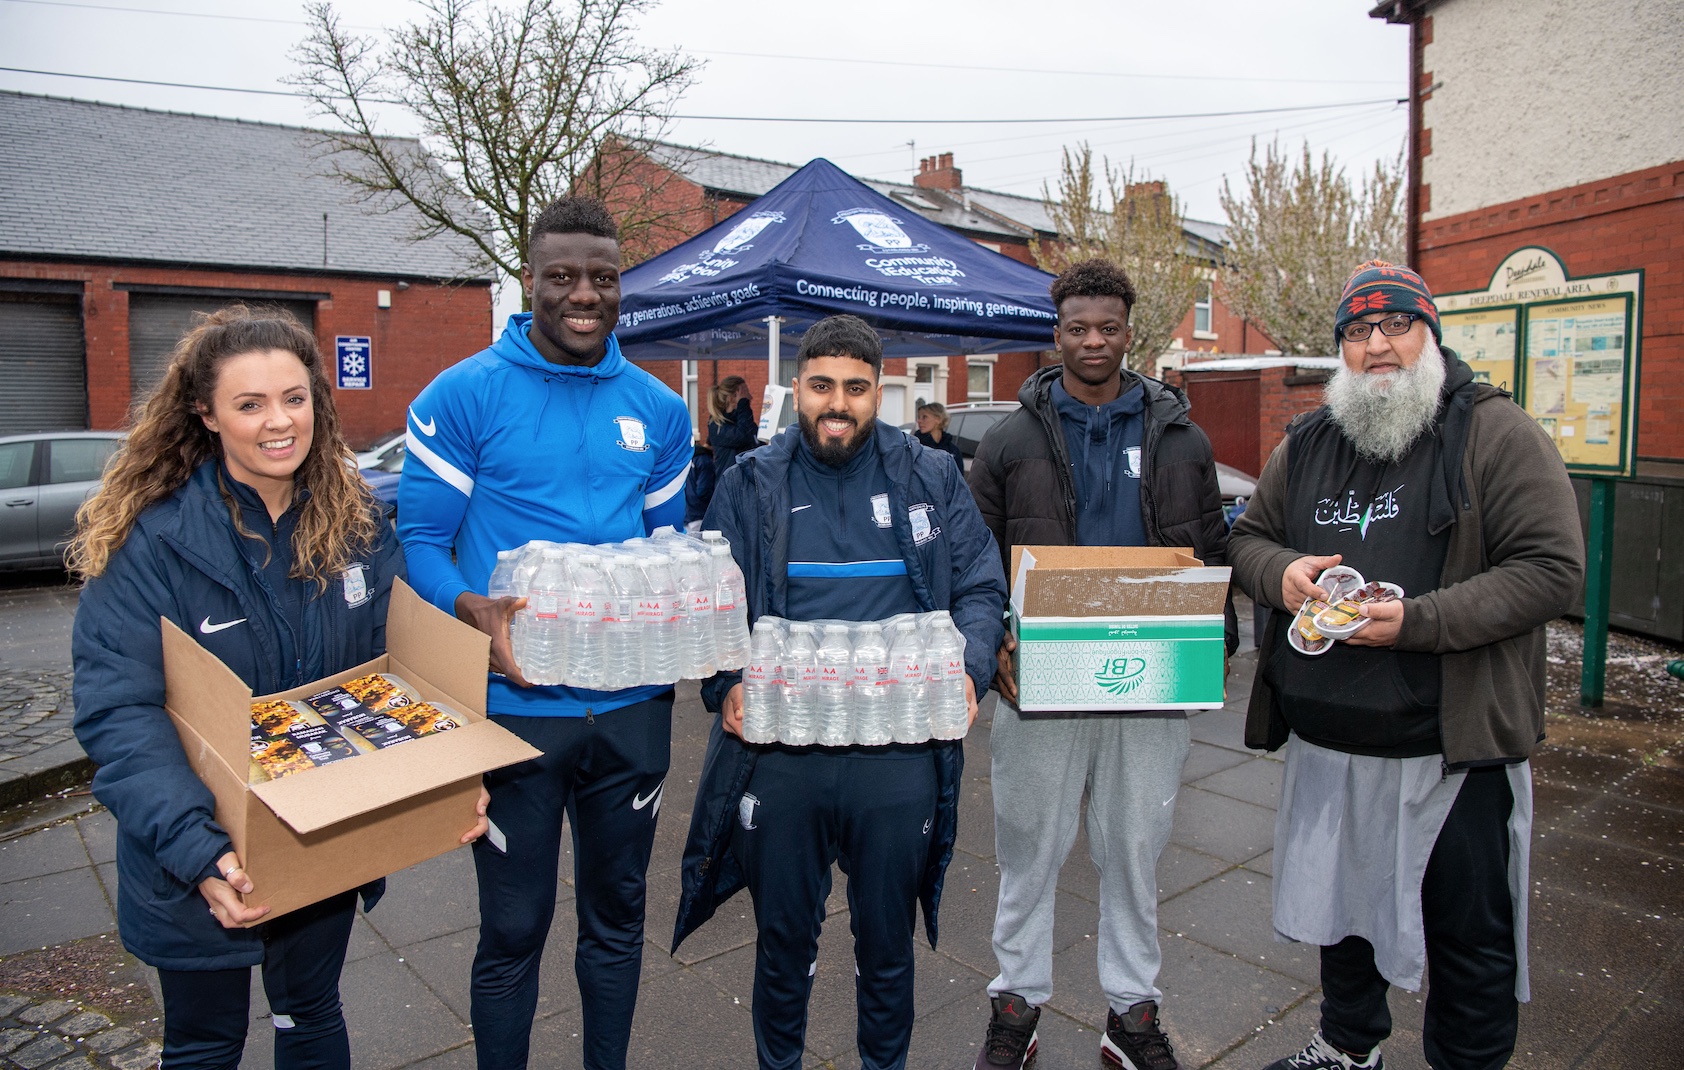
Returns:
(938,172)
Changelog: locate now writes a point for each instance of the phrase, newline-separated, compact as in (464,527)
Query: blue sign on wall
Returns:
(354,357)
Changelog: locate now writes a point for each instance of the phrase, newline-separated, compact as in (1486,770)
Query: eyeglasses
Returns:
(1392,326)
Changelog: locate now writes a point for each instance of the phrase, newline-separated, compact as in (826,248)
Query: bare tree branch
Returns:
(517,107)
(1295,234)
(1135,222)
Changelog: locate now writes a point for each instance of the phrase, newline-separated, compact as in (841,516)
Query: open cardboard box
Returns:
(1117,628)
(323,831)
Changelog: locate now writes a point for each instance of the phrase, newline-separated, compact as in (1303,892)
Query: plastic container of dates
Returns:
(1321,621)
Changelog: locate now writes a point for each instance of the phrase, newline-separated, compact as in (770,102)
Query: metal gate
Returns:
(43,364)
(1225,404)
(157,322)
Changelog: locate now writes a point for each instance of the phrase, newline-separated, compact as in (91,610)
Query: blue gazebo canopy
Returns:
(819,243)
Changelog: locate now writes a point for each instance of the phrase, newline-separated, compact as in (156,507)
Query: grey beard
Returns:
(1384,415)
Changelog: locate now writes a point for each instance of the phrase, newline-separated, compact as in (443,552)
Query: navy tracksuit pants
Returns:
(607,773)
(871,810)
(207,1012)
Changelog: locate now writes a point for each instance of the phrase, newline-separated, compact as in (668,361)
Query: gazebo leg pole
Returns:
(774,336)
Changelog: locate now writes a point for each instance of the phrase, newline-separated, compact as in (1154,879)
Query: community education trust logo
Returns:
(882,233)
(739,239)
(1119,676)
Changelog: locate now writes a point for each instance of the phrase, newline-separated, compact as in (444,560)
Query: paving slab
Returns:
(51,850)
(1255,780)
(56,909)
(1231,830)
(1233,914)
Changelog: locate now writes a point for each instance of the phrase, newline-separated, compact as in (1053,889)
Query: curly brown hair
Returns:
(169,440)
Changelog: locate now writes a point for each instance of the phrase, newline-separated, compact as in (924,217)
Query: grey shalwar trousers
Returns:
(1129,766)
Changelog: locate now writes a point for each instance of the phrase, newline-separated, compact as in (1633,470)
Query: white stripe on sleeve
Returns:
(650,501)
(440,467)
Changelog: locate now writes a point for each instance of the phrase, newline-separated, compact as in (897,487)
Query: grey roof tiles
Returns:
(104,182)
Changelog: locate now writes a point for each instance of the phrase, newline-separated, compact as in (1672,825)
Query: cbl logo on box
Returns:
(1119,676)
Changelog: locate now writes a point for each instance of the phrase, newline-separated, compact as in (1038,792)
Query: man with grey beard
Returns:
(1401,842)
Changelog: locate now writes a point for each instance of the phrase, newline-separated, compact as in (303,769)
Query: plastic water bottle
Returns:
(503,575)
(658,610)
(799,726)
(908,711)
(527,560)
(546,637)
(945,678)
(762,690)
(836,667)
(622,635)
(871,686)
(695,626)
(587,655)
(730,610)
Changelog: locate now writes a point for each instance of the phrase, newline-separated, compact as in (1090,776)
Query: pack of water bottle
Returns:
(644,611)
(843,683)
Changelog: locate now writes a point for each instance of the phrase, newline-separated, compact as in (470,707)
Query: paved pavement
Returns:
(1607,938)
(37,753)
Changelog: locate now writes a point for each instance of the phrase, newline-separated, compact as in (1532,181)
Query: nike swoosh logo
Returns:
(429,428)
(208,628)
(798,508)
(640,801)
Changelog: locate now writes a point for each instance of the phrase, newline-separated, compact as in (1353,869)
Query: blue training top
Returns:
(506,447)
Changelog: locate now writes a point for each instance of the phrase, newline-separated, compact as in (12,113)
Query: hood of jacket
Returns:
(515,346)
(1165,404)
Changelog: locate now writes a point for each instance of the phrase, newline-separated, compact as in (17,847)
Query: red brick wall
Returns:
(1618,224)
(677,208)
(429,327)
(1234,334)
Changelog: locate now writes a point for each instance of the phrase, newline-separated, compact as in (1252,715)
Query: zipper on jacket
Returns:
(590,718)
(1061,454)
(1148,453)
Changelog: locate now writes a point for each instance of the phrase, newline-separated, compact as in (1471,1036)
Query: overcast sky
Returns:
(897,60)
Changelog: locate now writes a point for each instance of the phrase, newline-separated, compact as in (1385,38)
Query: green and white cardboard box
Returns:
(1117,628)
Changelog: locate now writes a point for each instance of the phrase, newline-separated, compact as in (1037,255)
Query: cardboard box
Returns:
(326,830)
(1116,628)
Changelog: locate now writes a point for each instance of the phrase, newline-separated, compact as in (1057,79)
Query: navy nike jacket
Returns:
(184,561)
(956,567)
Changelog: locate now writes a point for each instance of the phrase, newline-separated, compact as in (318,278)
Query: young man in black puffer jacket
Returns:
(1097,456)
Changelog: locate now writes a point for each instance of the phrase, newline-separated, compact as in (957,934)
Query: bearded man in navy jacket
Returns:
(848,519)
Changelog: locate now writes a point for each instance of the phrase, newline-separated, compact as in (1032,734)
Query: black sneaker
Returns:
(1011,1034)
(1133,1040)
(1320,1055)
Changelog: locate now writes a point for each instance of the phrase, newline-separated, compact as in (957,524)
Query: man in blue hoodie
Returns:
(847,519)
(552,434)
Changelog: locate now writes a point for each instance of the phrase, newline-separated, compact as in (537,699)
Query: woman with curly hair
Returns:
(232,512)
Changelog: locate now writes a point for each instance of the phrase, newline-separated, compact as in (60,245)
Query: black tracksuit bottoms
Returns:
(1472,1014)
(207,1012)
(607,773)
(871,810)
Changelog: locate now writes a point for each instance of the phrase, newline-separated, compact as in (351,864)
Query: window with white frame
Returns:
(1203,324)
(979,380)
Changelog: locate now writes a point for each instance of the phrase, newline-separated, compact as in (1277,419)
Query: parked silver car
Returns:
(44,478)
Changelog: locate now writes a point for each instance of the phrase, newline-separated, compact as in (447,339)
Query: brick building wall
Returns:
(1626,222)
(1230,332)
(429,327)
